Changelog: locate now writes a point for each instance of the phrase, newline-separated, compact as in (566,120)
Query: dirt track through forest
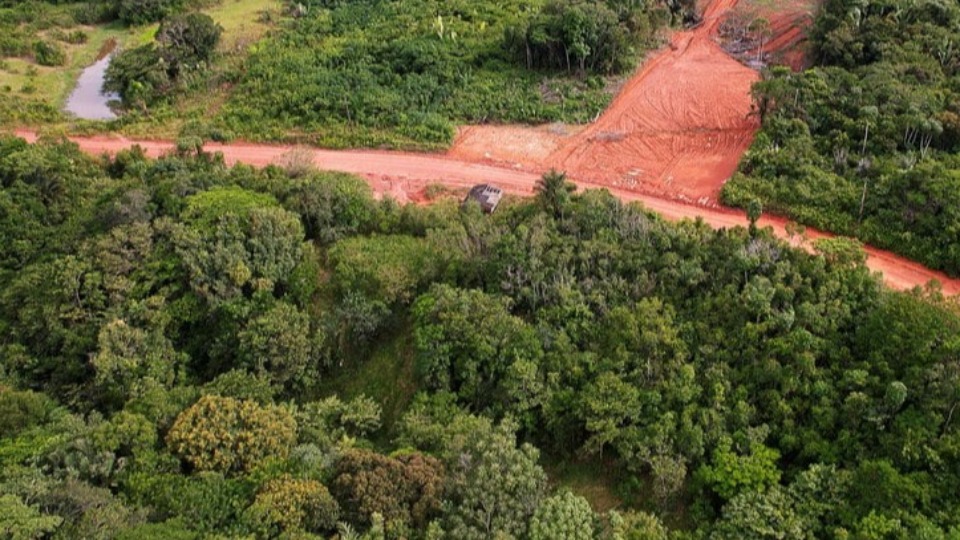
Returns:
(673,135)
(405,175)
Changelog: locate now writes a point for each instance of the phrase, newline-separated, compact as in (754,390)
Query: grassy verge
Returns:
(386,375)
(594,481)
(53,84)
(241,19)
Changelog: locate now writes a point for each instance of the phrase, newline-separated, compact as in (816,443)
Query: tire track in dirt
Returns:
(678,128)
(405,176)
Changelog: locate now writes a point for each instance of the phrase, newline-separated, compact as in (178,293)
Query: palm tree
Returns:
(554,192)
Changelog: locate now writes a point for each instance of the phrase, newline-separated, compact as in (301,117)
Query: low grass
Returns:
(54,84)
(386,375)
(607,486)
(593,480)
(241,19)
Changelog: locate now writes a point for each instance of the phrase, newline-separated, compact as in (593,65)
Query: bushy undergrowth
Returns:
(385,72)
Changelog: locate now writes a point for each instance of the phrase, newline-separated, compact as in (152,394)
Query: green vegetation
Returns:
(589,37)
(369,73)
(47,44)
(43,49)
(403,74)
(865,144)
(191,350)
(386,374)
(183,47)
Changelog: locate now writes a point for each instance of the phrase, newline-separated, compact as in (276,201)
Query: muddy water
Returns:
(88,100)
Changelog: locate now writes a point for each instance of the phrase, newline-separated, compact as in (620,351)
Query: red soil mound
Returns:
(678,128)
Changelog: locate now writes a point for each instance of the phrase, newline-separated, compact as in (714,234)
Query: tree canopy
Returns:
(864,143)
(190,350)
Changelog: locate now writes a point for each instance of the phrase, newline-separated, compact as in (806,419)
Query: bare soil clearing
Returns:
(784,23)
(677,129)
(516,146)
(406,176)
(679,126)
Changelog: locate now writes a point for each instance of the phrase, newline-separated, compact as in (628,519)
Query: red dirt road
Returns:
(679,126)
(406,175)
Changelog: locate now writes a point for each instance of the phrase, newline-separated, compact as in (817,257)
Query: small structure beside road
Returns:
(486,195)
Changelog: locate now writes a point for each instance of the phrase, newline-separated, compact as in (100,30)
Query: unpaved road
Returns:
(678,127)
(672,137)
(404,175)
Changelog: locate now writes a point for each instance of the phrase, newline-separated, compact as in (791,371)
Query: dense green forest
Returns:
(865,144)
(191,350)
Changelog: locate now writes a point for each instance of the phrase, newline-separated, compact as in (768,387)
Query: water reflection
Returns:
(88,100)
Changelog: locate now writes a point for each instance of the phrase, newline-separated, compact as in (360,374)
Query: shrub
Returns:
(288,504)
(146,11)
(49,54)
(224,434)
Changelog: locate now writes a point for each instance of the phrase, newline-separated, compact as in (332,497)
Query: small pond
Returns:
(88,100)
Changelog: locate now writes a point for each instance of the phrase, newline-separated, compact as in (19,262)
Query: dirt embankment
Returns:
(676,130)
(765,32)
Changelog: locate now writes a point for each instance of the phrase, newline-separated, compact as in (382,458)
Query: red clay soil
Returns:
(513,146)
(679,126)
(785,47)
(406,176)
(788,24)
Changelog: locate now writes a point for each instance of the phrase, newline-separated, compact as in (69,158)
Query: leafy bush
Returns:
(226,435)
(137,76)
(287,504)
(148,74)
(146,11)
(187,40)
(49,54)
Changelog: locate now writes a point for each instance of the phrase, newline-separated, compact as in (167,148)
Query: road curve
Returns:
(402,174)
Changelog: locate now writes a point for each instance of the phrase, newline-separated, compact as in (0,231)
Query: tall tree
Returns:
(227,435)
(564,516)
(554,192)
